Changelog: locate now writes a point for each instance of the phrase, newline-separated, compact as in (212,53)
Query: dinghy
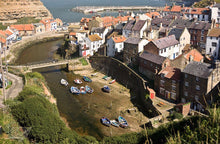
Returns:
(106,89)
(114,123)
(82,90)
(77,81)
(113,81)
(86,79)
(74,90)
(123,123)
(64,82)
(88,89)
(105,121)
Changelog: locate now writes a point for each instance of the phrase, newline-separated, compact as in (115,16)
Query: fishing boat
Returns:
(113,81)
(114,123)
(64,82)
(123,123)
(106,89)
(77,81)
(105,121)
(86,79)
(82,90)
(89,89)
(74,90)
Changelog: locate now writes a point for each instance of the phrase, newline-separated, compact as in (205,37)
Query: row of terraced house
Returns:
(16,31)
(177,48)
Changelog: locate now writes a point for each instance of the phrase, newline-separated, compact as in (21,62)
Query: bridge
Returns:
(43,64)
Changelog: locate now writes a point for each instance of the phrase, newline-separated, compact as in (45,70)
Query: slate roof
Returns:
(120,26)
(139,25)
(129,25)
(166,42)
(214,32)
(198,69)
(217,5)
(181,23)
(200,25)
(177,32)
(152,57)
(133,40)
(164,21)
(98,30)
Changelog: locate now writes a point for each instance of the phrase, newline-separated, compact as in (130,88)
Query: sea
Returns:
(62,8)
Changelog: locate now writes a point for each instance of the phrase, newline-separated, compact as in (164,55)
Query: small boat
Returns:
(94,74)
(74,90)
(64,82)
(123,123)
(77,81)
(114,123)
(82,90)
(106,89)
(113,81)
(87,79)
(89,89)
(105,121)
(106,78)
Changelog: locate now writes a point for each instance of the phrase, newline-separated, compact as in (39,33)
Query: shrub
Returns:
(83,61)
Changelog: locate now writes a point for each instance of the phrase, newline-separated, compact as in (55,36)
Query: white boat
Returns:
(77,81)
(64,82)
(74,90)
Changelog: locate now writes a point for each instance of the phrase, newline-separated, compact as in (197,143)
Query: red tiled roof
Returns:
(8,32)
(171,73)
(176,8)
(23,27)
(187,10)
(47,20)
(2,40)
(151,14)
(197,56)
(72,33)
(119,39)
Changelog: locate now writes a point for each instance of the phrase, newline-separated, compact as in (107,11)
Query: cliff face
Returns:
(15,9)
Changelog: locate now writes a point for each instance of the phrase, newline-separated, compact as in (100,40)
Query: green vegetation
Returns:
(83,61)
(2,27)
(9,84)
(32,109)
(204,3)
(27,20)
(217,1)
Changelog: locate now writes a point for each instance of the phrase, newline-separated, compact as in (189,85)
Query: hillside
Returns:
(16,9)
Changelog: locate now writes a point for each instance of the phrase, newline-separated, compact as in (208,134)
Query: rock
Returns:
(15,9)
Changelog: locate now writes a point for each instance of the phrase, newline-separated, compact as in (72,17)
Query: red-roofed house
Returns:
(167,83)
(24,29)
(115,45)
(153,15)
(50,24)
(2,39)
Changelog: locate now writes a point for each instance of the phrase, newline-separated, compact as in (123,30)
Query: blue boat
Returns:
(74,90)
(89,89)
(106,89)
(123,123)
(86,79)
(82,90)
(114,123)
(105,121)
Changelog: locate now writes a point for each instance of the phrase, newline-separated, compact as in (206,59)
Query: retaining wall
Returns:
(127,77)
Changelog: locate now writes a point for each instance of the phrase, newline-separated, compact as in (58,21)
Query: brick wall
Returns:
(129,79)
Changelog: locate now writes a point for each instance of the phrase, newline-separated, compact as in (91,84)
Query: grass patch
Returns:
(9,84)
(83,61)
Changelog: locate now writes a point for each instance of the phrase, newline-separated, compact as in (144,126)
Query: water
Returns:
(74,108)
(62,8)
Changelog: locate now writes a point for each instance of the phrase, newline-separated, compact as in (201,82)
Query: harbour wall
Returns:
(130,79)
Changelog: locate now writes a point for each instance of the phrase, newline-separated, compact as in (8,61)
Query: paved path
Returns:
(15,89)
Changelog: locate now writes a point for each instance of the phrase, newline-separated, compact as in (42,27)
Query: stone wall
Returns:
(129,79)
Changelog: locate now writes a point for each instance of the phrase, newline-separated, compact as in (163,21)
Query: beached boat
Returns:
(105,121)
(64,82)
(123,123)
(106,78)
(89,89)
(87,79)
(82,90)
(74,90)
(94,74)
(106,89)
(114,123)
(113,81)
(77,81)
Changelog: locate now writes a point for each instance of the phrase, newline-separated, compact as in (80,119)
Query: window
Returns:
(186,75)
(210,50)
(173,88)
(214,44)
(185,93)
(211,38)
(162,82)
(165,50)
(186,84)
(162,75)
(173,96)
(197,87)
(196,98)
(197,79)
(202,38)
(162,91)
(161,51)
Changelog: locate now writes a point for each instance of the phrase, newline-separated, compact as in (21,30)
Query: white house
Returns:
(213,43)
(100,31)
(215,13)
(92,44)
(166,47)
(182,35)
(10,35)
(115,44)
(138,29)
(81,35)
(144,17)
